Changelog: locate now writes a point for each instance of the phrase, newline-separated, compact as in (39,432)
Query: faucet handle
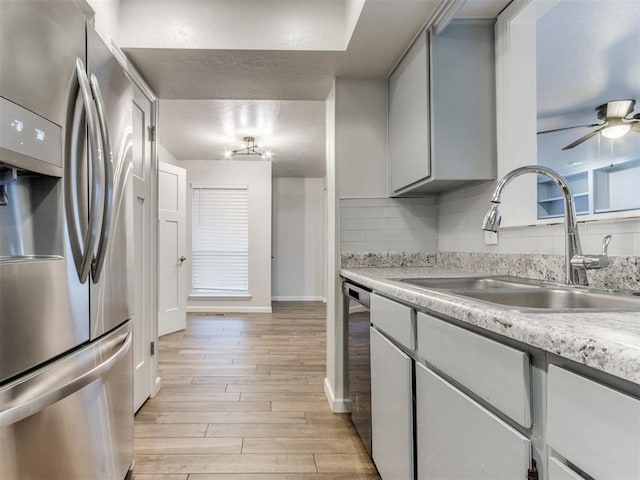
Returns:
(605,244)
(593,262)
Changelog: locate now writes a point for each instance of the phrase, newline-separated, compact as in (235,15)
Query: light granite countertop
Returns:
(607,341)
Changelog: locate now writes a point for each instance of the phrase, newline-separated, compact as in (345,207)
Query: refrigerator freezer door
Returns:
(73,419)
(39,44)
(111,283)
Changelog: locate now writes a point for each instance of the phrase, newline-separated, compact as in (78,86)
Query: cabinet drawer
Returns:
(593,426)
(498,374)
(459,439)
(559,471)
(394,319)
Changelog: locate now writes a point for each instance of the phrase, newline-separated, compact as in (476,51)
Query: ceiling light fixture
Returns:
(616,131)
(249,148)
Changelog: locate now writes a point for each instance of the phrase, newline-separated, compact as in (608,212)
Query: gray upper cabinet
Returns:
(442,112)
(409,117)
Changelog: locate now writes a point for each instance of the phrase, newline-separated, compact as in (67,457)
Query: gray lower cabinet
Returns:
(458,439)
(559,471)
(593,426)
(391,409)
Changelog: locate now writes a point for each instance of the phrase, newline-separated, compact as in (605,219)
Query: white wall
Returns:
(461,212)
(257,175)
(361,137)
(165,156)
(107,19)
(334,381)
(297,239)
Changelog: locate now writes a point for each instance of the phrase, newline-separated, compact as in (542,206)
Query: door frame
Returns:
(152,270)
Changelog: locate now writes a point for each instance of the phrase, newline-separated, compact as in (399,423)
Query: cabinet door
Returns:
(559,471)
(409,126)
(391,409)
(457,439)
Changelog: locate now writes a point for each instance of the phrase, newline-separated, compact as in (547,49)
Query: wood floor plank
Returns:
(344,463)
(231,417)
(303,445)
(281,396)
(243,398)
(226,463)
(280,476)
(191,446)
(155,430)
(208,406)
(301,406)
(142,476)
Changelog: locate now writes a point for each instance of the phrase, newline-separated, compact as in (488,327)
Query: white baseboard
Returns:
(286,298)
(224,309)
(338,405)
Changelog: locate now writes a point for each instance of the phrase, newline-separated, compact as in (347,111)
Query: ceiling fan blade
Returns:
(635,127)
(568,128)
(582,139)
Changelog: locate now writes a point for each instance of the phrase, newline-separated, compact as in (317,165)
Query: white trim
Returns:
(337,405)
(225,309)
(215,297)
(132,72)
(303,298)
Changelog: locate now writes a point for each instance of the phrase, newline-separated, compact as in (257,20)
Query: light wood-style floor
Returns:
(242,398)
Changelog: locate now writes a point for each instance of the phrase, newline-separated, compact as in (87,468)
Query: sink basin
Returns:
(472,283)
(555,298)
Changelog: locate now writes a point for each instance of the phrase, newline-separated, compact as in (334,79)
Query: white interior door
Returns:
(172,185)
(143,239)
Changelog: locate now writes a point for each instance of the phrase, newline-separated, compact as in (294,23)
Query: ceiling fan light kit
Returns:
(249,148)
(618,121)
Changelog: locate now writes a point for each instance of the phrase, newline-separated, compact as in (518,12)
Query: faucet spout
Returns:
(573,274)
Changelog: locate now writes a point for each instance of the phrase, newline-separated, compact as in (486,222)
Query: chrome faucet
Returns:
(576,264)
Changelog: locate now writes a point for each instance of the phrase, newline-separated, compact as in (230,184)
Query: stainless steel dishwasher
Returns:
(356,314)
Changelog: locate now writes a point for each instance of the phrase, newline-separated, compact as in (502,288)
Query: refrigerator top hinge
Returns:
(153,348)
(532,473)
(152,133)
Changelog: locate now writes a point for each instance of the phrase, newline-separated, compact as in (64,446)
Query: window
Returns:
(220,239)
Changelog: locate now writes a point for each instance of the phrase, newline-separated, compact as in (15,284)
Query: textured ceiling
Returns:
(198,69)
(294,131)
(587,54)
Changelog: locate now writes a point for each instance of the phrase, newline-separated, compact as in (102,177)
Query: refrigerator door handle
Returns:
(83,235)
(49,385)
(107,210)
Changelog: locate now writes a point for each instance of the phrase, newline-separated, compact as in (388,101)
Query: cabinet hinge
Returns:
(153,350)
(152,133)
(532,473)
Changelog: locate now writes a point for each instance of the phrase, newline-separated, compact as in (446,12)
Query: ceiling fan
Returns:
(618,121)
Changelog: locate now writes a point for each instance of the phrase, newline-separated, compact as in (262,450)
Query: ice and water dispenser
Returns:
(31,209)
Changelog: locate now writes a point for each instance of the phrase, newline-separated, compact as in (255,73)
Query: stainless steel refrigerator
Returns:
(66,391)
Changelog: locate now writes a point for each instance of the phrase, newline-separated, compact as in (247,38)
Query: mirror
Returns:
(587,56)
(557,61)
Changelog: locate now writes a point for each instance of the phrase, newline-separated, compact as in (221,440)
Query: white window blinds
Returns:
(220,238)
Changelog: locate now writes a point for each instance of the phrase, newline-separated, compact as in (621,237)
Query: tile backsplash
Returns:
(388,224)
(460,214)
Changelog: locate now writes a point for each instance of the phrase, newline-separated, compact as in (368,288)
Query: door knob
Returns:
(182,259)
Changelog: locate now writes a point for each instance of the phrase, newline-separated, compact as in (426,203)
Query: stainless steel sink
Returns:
(550,298)
(472,283)
(529,294)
